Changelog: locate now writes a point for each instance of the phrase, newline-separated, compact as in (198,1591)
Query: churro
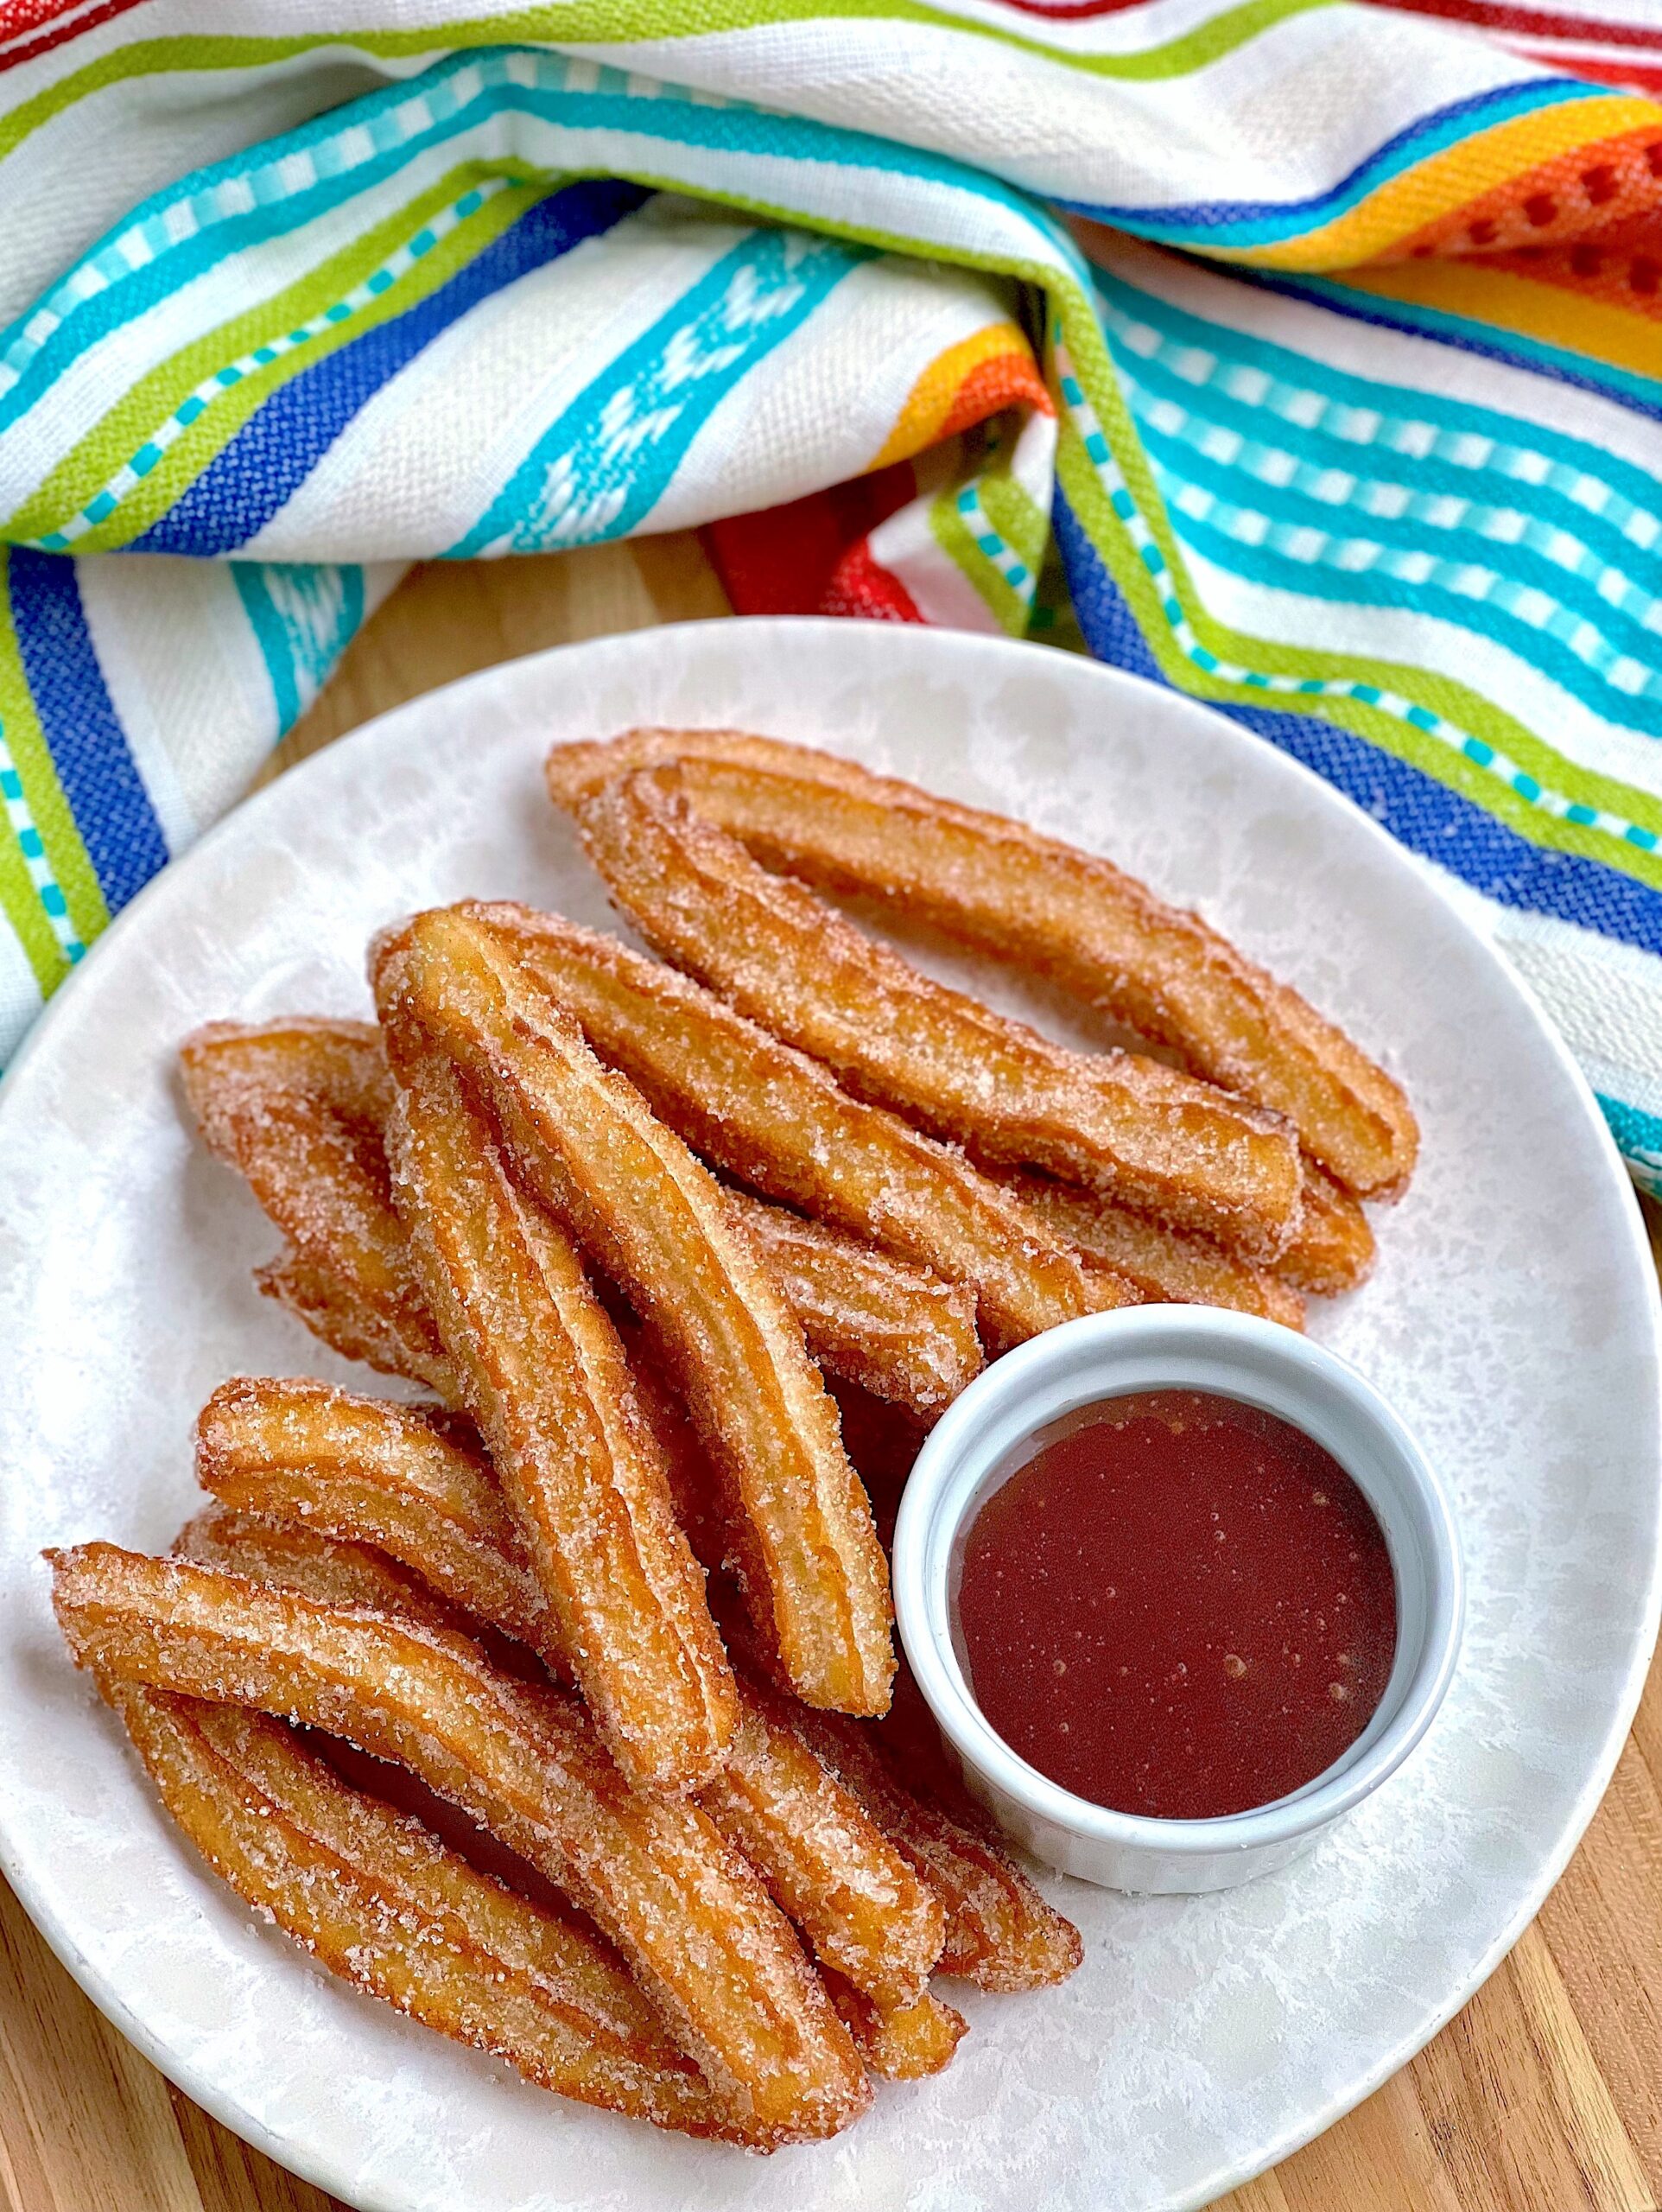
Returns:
(687,1247)
(344,1312)
(853,1894)
(242,1076)
(292,1556)
(298,1108)
(656,1221)
(1168,1266)
(364,1471)
(1001,1932)
(546,1380)
(1334,1249)
(378,1900)
(1010,891)
(331,1570)
(775,1119)
(901,2043)
(896,1329)
(715,1957)
(1116,1121)
(801,1819)
(879,1324)
(373,1474)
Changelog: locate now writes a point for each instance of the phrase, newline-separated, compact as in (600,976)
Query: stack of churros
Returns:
(660,1244)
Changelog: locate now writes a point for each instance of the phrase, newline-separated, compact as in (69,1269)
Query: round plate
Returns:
(1512,1320)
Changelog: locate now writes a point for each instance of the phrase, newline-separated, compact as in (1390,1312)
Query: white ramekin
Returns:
(982,1439)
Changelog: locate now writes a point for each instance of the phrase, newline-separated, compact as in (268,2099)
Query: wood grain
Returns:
(1545,2094)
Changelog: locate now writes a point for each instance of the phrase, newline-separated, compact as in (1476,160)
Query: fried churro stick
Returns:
(330,1570)
(546,1380)
(1000,1933)
(373,1474)
(903,2043)
(1168,1266)
(1334,1250)
(343,1312)
(705,1505)
(654,1218)
(298,1108)
(1009,892)
(887,1329)
(244,1079)
(779,1120)
(899,1331)
(854,1897)
(364,1471)
(1126,1126)
(708,1948)
(378,1900)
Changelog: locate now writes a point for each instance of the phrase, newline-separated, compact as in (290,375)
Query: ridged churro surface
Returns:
(779,1120)
(545,1378)
(653,1218)
(1015,894)
(378,1900)
(1116,1121)
(714,1953)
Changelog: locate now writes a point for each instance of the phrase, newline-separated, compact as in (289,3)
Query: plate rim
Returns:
(292,2151)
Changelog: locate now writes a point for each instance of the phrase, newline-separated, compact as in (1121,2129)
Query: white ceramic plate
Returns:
(1512,1320)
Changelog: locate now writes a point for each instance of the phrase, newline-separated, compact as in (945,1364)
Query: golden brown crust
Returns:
(377,1899)
(297,1107)
(441,1183)
(367,1472)
(1017,895)
(856,1899)
(897,1330)
(546,1380)
(899,2042)
(343,1312)
(775,1119)
(656,1221)
(233,1071)
(330,1570)
(370,1474)
(1334,1250)
(887,1331)
(1168,1266)
(438,1209)
(1001,1932)
(1113,1120)
(708,1948)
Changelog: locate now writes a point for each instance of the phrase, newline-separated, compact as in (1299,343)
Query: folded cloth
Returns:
(1305,356)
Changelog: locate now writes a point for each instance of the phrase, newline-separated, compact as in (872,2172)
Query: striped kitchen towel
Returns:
(1304,355)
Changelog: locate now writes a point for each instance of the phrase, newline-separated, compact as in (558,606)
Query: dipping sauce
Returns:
(1180,1606)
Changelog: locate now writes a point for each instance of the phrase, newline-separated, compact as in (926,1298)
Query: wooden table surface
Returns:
(1545,2094)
